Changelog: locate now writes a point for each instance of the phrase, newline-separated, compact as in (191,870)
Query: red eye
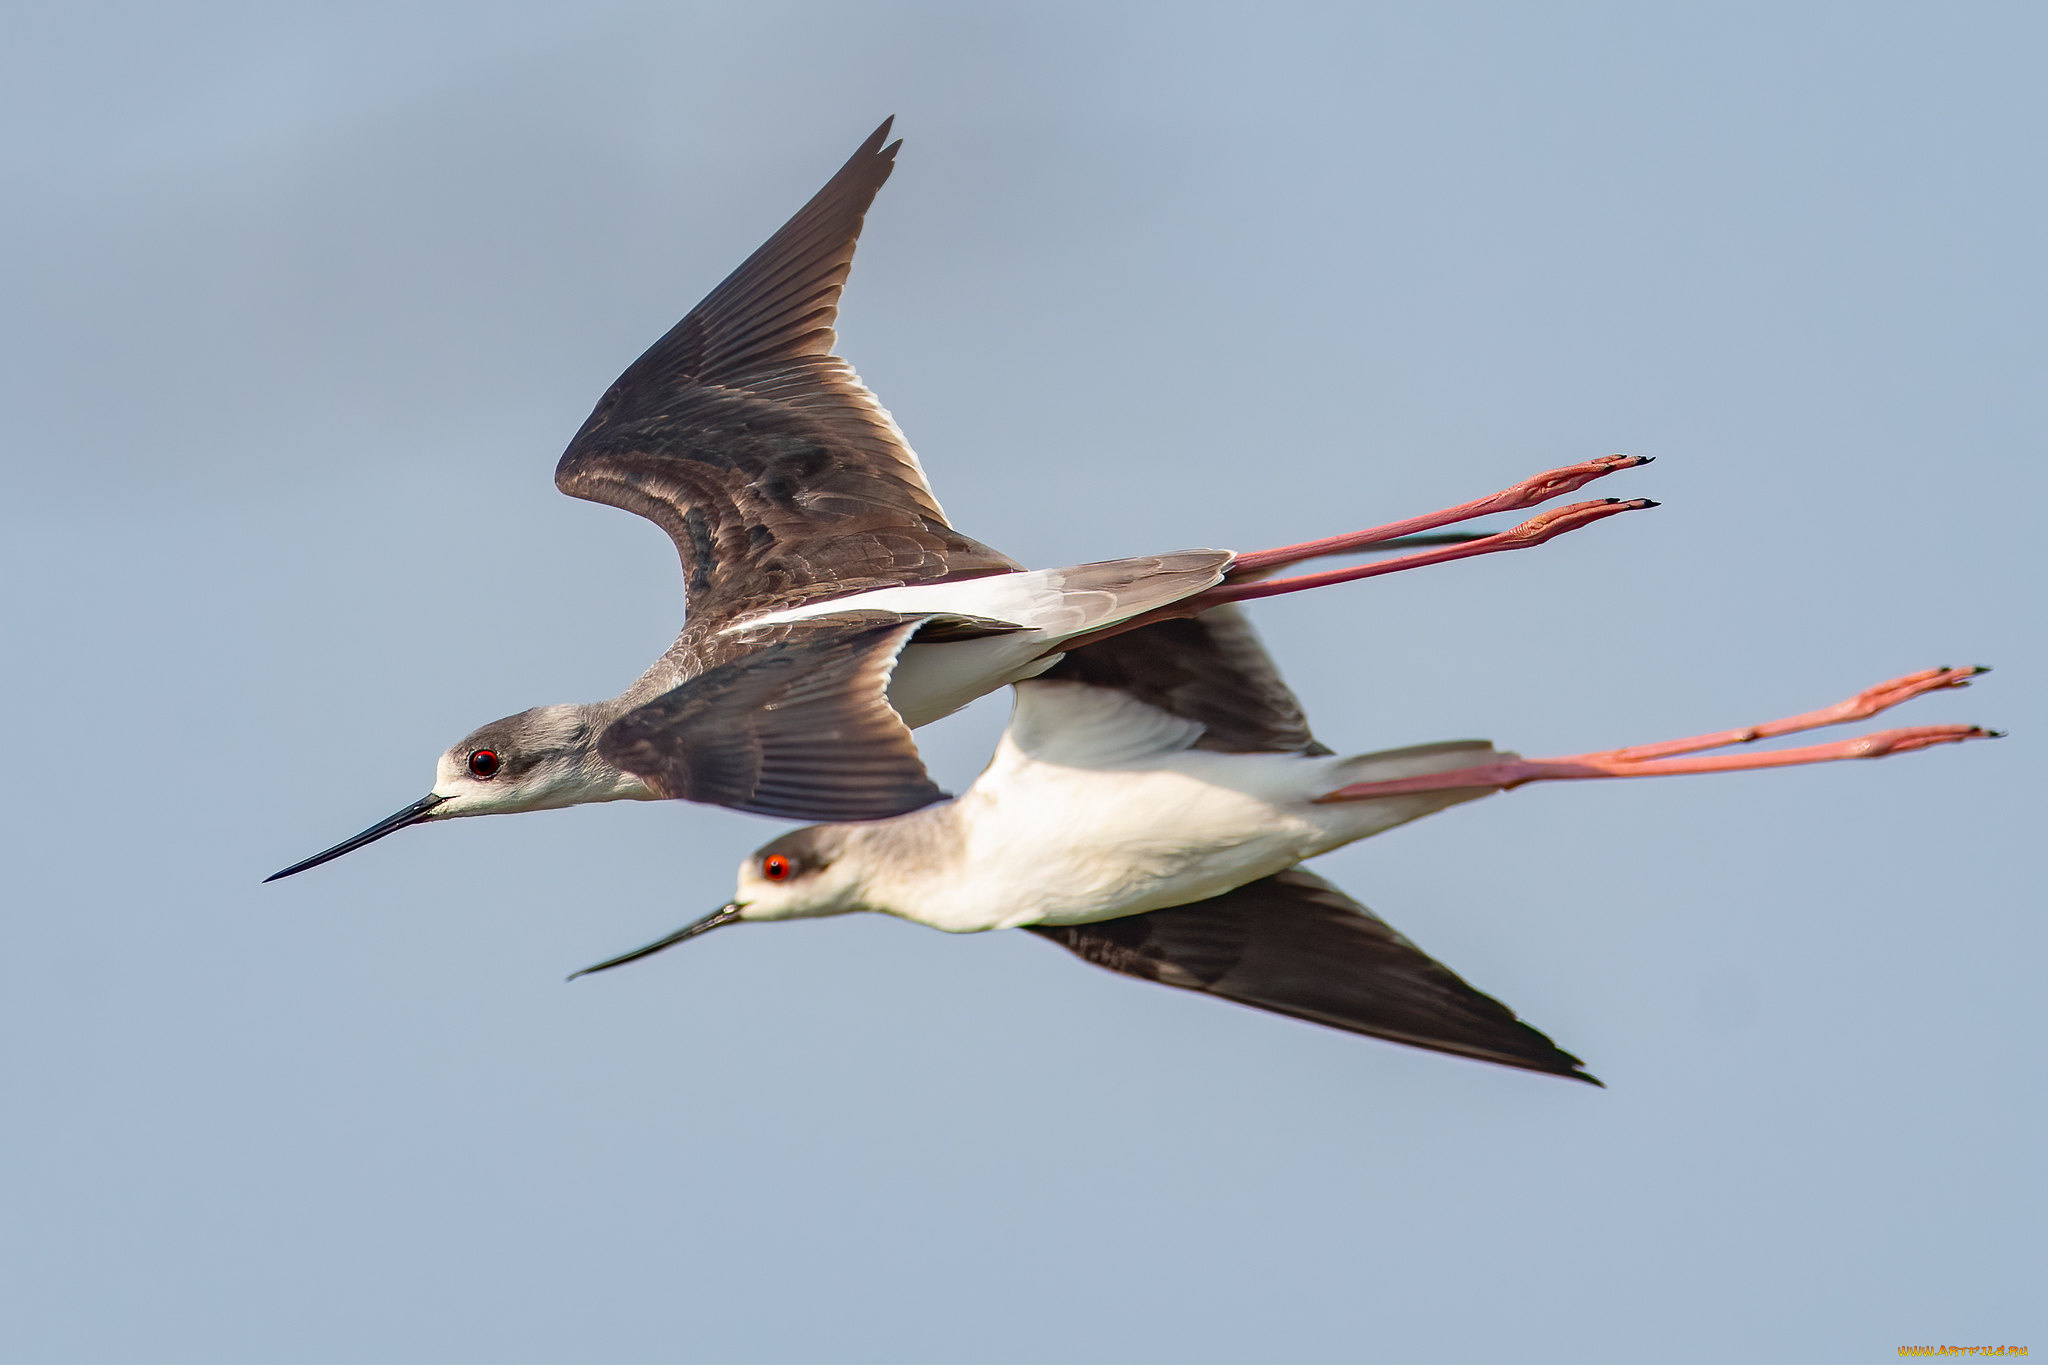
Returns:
(775,868)
(483,763)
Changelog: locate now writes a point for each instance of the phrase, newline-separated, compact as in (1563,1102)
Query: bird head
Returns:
(802,875)
(537,760)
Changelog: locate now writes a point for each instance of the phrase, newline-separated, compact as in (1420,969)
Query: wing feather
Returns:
(800,729)
(1294,944)
(773,469)
(1210,669)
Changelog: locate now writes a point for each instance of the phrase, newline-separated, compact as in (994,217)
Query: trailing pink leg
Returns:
(1862,706)
(1531,533)
(1541,488)
(1582,766)
(1660,760)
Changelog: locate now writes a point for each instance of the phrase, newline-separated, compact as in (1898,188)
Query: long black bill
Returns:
(411,815)
(717,919)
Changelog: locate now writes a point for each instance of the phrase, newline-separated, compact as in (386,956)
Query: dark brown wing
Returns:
(759,452)
(800,729)
(1294,944)
(1209,668)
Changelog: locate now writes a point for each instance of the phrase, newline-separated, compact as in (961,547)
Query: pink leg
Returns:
(1531,533)
(1658,760)
(1537,529)
(1862,706)
(1552,483)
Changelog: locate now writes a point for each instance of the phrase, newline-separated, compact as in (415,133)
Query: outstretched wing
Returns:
(800,729)
(773,469)
(1210,669)
(1294,944)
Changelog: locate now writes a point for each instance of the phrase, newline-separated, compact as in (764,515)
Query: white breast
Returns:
(1095,806)
(1078,819)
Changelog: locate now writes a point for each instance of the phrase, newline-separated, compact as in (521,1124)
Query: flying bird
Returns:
(1149,805)
(830,607)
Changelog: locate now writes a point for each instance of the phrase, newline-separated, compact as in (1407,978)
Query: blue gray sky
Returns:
(303,302)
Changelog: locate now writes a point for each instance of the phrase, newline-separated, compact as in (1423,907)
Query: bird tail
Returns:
(1084,597)
(1419,760)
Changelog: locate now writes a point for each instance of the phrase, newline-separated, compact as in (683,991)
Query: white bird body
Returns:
(1098,806)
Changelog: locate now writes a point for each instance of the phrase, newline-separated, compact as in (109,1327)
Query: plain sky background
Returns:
(301,304)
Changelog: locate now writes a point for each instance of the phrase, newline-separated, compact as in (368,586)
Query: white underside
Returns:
(1095,808)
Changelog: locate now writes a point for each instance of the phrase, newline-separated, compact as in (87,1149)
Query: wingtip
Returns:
(878,154)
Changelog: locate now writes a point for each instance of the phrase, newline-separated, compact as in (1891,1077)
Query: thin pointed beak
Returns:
(717,919)
(411,815)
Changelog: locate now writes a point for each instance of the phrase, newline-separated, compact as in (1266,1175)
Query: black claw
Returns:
(1980,668)
(1994,734)
(1645,502)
